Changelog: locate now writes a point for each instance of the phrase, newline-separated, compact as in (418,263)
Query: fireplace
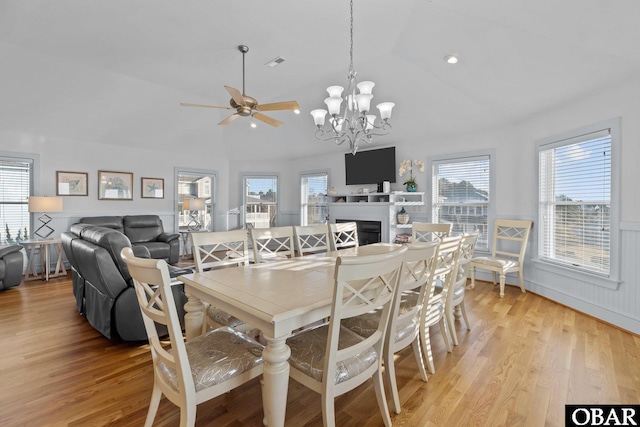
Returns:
(368,231)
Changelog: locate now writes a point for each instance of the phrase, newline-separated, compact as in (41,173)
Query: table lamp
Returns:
(44,204)
(194,205)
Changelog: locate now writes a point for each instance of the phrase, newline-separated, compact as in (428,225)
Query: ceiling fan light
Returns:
(385,109)
(364,102)
(318,116)
(253,124)
(296,111)
(335,91)
(333,104)
(366,87)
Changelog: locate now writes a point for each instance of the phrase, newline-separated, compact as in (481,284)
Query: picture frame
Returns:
(115,185)
(72,183)
(152,188)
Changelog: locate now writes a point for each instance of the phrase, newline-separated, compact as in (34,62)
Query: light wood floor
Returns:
(523,360)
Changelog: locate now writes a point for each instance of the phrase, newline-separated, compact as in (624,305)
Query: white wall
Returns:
(82,156)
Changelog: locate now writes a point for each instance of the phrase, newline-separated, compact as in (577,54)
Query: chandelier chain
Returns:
(351,37)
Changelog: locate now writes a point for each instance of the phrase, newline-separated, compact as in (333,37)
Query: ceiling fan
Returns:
(247,106)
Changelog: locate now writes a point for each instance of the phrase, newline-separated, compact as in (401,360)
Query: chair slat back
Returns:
(362,284)
(219,248)
(428,232)
(510,238)
(270,243)
(344,235)
(417,277)
(312,239)
(152,285)
(447,264)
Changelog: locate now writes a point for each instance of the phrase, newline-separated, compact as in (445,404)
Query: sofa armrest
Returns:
(168,237)
(9,250)
(141,251)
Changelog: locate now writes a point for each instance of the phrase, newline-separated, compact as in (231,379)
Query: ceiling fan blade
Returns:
(286,105)
(229,119)
(236,95)
(268,120)
(187,104)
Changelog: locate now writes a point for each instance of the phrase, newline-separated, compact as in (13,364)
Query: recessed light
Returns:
(451,59)
(296,111)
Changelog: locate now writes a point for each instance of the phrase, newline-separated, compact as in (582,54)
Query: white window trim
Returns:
(613,280)
(246,176)
(302,201)
(468,155)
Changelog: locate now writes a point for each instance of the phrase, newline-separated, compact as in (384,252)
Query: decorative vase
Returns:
(403,217)
(412,187)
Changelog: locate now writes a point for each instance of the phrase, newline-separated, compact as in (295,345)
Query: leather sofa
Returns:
(11,265)
(102,285)
(143,230)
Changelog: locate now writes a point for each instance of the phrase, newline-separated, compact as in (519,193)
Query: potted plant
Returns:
(407,165)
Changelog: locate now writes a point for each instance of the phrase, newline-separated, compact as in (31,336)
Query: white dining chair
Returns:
(404,322)
(343,235)
(331,359)
(510,239)
(454,304)
(272,244)
(187,373)
(218,249)
(428,232)
(311,239)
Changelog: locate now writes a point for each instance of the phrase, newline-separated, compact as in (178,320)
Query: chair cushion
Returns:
(308,350)
(503,263)
(366,324)
(217,356)
(223,318)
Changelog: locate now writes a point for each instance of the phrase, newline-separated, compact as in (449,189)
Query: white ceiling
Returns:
(115,71)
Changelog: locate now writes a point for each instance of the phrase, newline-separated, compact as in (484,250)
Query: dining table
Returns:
(277,298)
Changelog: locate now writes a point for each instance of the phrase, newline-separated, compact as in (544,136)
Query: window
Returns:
(194,184)
(314,199)
(16,182)
(261,201)
(460,195)
(575,201)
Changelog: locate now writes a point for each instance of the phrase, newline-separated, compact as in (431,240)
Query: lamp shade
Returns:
(45,204)
(193,204)
(385,109)
(318,116)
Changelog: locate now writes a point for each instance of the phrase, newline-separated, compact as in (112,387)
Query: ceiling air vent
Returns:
(275,61)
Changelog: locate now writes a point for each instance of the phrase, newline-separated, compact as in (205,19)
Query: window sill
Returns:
(592,279)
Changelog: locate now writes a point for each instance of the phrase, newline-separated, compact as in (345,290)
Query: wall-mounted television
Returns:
(371,167)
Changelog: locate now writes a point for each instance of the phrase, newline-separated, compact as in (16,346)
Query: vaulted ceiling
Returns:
(115,71)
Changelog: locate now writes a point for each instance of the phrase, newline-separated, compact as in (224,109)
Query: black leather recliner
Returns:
(143,230)
(11,265)
(102,285)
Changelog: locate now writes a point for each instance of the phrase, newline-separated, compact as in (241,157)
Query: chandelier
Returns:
(351,122)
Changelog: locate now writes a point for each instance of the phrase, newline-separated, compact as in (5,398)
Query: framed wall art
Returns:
(152,188)
(115,185)
(72,183)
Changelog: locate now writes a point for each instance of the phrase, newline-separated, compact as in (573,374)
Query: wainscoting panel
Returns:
(620,307)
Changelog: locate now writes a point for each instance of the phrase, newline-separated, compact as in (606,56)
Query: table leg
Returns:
(60,270)
(194,317)
(31,272)
(46,269)
(275,378)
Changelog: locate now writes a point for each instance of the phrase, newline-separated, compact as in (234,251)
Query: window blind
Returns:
(15,188)
(314,198)
(575,202)
(460,195)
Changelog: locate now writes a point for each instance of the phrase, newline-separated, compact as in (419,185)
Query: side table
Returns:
(45,259)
